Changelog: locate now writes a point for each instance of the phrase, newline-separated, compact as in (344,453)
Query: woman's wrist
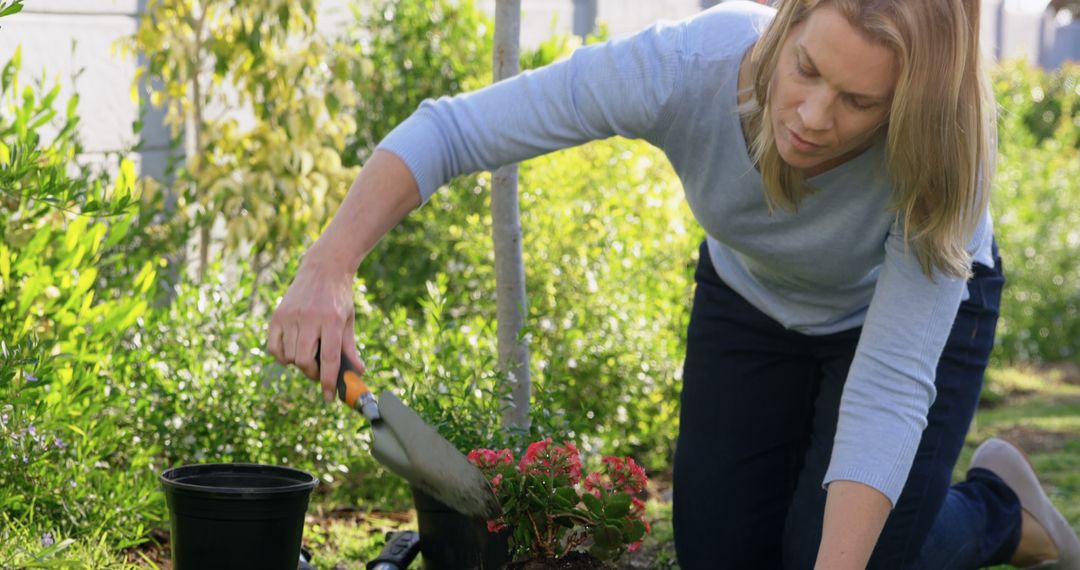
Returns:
(854,516)
(328,256)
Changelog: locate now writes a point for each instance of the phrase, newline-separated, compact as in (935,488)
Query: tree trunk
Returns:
(511,309)
(194,141)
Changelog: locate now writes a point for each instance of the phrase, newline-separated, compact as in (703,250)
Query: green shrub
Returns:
(69,465)
(1036,205)
(410,51)
(207,391)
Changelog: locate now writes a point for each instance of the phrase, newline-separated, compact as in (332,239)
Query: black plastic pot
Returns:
(236,515)
(450,540)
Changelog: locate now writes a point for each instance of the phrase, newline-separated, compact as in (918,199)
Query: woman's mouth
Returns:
(802,144)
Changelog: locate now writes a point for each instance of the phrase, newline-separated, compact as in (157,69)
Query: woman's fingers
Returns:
(275,339)
(307,345)
(291,332)
(330,359)
(348,346)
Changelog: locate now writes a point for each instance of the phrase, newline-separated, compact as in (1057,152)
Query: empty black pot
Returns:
(236,516)
(450,540)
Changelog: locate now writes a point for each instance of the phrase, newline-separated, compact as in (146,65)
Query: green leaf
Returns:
(145,279)
(75,231)
(125,181)
(593,504)
(608,536)
(12,10)
(5,263)
(633,531)
(566,497)
(9,72)
(117,232)
(86,280)
(618,506)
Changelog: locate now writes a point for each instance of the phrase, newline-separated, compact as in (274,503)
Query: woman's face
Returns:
(831,91)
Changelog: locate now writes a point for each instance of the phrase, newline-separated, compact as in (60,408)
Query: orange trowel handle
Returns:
(350,388)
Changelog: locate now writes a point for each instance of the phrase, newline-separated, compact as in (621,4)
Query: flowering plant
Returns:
(551,509)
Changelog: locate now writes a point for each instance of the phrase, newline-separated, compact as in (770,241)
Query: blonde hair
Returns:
(941,128)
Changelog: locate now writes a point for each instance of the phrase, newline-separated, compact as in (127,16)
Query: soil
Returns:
(572,561)
(1067,372)
(1033,440)
(156,550)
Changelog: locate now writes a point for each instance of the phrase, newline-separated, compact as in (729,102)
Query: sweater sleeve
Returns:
(619,87)
(890,385)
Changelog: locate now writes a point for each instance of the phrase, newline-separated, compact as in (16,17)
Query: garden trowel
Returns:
(408,446)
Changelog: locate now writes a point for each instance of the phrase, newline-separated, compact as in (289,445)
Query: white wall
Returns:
(47,30)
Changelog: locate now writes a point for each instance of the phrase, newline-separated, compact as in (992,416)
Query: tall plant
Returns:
(67,461)
(269,181)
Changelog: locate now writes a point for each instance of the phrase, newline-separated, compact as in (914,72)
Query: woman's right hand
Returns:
(316,316)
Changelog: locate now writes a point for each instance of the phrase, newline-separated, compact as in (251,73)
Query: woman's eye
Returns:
(860,106)
(804,71)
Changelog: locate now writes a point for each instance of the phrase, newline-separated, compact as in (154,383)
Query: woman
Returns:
(834,152)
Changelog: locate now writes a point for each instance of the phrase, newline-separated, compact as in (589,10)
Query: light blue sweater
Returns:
(838,263)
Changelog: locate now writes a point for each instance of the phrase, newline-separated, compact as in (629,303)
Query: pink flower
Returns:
(570,457)
(594,482)
(625,476)
(504,457)
(490,459)
(637,476)
(541,458)
(533,454)
(495,525)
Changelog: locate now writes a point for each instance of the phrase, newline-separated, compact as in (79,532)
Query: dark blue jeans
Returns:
(759,412)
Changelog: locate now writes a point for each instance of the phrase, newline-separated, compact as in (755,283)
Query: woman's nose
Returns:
(816,111)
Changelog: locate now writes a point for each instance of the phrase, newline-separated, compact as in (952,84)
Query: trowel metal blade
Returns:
(408,446)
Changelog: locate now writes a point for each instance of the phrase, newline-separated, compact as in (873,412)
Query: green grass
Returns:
(24,547)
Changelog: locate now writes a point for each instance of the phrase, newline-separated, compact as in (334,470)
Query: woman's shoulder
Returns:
(726,30)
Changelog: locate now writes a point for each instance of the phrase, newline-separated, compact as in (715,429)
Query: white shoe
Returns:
(1009,463)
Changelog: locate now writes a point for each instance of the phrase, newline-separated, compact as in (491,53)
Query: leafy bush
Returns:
(209,393)
(410,51)
(1036,205)
(70,466)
